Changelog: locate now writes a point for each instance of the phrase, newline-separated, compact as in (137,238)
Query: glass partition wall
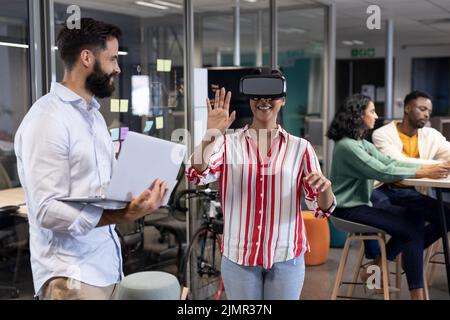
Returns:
(301,42)
(151,90)
(151,55)
(301,46)
(15,80)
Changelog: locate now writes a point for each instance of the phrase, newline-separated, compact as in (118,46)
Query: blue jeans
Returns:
(413,201)
(284,281)
(402,213)
(381,201)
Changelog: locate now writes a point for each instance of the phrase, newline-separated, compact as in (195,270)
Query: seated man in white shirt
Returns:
(410,141)
(428,145)
(64,149)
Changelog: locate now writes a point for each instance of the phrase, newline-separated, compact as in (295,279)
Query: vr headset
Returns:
(265,86)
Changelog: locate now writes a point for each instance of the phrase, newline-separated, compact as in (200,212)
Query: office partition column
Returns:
(273,34)
(329,84)
(388,113)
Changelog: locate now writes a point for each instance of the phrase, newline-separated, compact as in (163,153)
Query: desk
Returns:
(14,197)
(442,185)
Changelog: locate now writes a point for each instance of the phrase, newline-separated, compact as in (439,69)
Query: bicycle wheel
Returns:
(204,259)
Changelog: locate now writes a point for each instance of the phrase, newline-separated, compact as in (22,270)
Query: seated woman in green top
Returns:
(356,164)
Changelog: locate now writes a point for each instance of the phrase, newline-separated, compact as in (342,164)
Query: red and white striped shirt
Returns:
(261,198)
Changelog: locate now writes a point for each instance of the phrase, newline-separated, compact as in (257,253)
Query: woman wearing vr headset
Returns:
(262,171)
(356,164)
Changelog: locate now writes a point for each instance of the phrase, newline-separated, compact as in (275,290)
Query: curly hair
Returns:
(348,120)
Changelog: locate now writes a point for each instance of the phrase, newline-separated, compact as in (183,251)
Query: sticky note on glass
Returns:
(163,65)
(116,147)
(115,134)
(160,65)
(167,65)
(124,105)
(148,126)
(159,123)
(123,133)
(115,105)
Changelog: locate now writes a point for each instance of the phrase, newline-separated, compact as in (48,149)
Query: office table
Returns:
(14,197)
(441,185)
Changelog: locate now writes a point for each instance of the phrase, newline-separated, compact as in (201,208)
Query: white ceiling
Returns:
(18,8)
(412,20)
(415,20)
(130,7)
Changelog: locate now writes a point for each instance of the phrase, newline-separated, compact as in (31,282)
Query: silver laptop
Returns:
(142,160)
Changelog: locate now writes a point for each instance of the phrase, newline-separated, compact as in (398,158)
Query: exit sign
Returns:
(363,53)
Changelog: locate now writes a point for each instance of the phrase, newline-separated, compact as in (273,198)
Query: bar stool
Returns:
(360,232)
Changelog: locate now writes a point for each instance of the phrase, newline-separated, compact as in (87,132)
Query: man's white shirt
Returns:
(64,149)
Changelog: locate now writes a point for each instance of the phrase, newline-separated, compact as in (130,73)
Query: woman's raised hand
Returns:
(219,117)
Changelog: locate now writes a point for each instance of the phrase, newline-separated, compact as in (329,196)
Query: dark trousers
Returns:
(401,213)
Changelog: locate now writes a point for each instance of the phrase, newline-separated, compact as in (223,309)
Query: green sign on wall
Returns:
(363,53)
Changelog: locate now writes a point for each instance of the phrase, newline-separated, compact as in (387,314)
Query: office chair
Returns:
(7,234)
(6,237)
(167,223)
(138,258)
